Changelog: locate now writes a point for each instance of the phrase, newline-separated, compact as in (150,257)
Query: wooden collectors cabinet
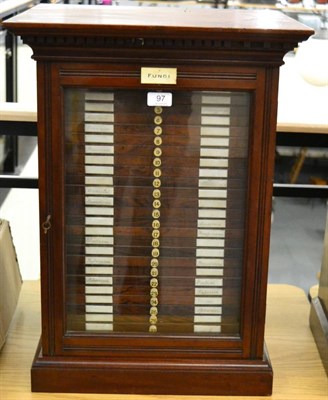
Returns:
(155,195)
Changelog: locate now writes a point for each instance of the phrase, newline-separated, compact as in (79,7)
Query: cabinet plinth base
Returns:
(228,377)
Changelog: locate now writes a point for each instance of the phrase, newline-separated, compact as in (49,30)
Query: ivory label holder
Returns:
(163,76)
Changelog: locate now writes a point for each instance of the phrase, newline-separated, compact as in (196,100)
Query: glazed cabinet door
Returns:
(152,243)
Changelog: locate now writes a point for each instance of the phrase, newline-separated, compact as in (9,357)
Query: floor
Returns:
(297,241)
(297,229)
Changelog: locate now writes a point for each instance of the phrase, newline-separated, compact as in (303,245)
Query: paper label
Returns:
(159,99)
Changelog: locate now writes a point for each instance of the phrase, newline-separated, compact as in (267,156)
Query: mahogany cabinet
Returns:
(156,151)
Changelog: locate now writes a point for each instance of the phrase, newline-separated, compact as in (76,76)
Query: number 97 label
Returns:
(159,99)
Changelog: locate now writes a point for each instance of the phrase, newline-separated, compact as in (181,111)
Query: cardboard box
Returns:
(10,279)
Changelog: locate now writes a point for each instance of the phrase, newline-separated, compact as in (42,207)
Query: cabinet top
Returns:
(165,22)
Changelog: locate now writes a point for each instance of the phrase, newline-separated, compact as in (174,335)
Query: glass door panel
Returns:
(155,211)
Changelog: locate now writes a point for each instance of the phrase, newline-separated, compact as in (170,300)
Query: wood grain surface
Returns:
(299,374)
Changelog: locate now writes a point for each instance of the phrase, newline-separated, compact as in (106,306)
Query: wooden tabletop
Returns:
(13,6)
(298,370)
(302,107)
(18,112)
